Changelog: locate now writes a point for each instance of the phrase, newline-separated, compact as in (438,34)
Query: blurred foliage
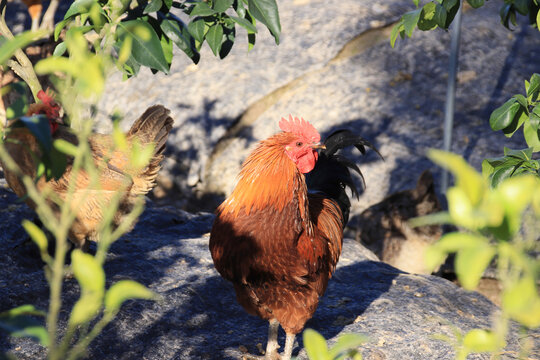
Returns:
(499,225)
(441,13)
(497,212)
(344,348)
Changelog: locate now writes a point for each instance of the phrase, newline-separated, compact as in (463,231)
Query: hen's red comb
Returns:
(300,127)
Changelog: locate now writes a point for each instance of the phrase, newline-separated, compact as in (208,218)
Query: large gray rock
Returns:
(199,317)
(334,67)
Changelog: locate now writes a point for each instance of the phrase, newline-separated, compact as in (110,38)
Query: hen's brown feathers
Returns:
(116,175)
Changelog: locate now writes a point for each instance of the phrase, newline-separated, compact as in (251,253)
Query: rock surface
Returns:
(199,317)
(335,68)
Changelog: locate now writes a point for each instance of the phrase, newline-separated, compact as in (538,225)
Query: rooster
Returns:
(116,174)
(277,239)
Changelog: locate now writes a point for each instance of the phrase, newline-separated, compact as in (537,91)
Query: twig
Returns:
(24,67)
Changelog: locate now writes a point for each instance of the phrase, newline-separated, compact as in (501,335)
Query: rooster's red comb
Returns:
(300,127)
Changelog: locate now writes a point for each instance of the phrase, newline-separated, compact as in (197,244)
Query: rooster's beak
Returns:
(318,146)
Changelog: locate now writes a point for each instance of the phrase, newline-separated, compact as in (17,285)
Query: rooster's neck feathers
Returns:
(269,179)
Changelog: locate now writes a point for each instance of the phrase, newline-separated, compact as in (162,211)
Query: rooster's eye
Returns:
(299,143)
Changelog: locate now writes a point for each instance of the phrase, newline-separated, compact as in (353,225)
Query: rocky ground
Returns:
(199,318)
(335,68)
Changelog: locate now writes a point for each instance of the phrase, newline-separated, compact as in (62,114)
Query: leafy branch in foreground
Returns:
(143,32)
(520,110)
(345,346)
(97,306)
(441,13)
(499,225)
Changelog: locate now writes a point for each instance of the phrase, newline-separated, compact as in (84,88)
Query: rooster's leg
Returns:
(272,344)
(289,343)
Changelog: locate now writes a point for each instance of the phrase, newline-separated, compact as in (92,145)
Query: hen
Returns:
(385,230)
(89,201)
(277,240)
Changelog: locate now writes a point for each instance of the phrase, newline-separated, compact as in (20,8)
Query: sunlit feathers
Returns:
(268,178)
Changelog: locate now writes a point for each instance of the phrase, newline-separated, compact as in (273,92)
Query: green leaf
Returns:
(500,174)
(503,116)
(126,290)
(88,271)
(79,7)
(410,20)
(521,301)
(479,340)
(396,30)
(427,21)
(222,5)
(315,345)
(476,3)
(214,38)
(153,6)
(523,154)
(229,32)
(196,29)
(466,176)
(487,169)
(167,47)
(440,15)
(450,4)
(266,11)
(245,24)
(25,326)
(471,262)
(59,27)
(451,243)
(240,8)
(416,2)
(522,6)
(85,309)
(60,49)
(146,46)
(181,36)
(534,117)
(202,9)
(515,194)
(91,278)
(19,323)
(504,13)
(518,120)
(534,85)
(346,343)
(65,147)
(522,100)
(532,136)
(37,236)
(8,48)
(23,310)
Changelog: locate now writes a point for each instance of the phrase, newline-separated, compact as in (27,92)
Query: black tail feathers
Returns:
(331,175)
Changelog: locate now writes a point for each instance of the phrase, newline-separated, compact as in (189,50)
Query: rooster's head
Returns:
(302,142)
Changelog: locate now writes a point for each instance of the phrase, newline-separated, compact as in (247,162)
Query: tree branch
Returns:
(22,67)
